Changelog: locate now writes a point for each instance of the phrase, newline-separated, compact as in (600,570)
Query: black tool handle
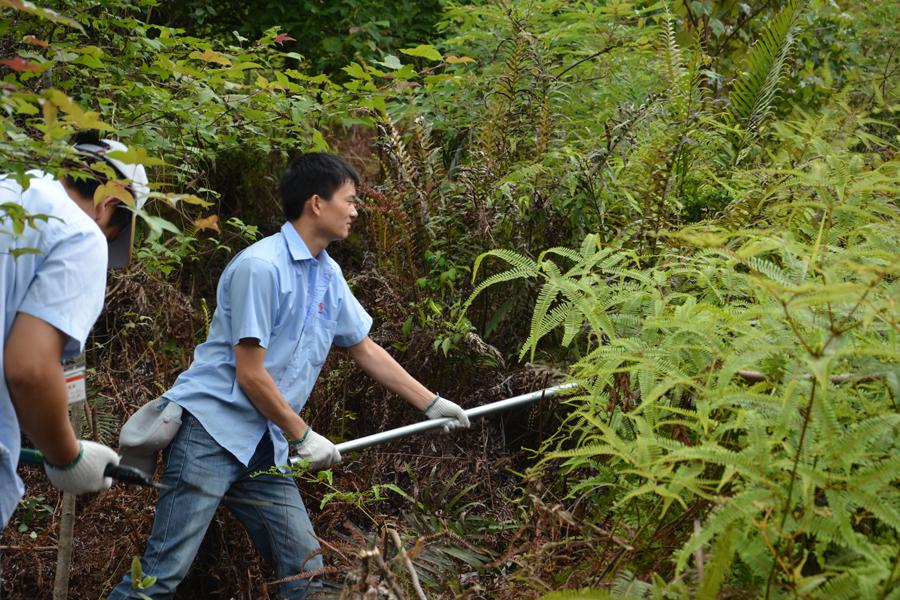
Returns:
(123,473)
(129,475)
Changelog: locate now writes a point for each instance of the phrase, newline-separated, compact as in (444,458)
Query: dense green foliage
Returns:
(716,183)
(741,372)
(749,382)
(328,34)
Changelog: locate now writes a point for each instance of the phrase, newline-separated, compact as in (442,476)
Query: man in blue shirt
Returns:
(53,278)
(281,304)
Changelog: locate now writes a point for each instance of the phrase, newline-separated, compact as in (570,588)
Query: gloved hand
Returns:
(317,450)
(441,407)
(85,473)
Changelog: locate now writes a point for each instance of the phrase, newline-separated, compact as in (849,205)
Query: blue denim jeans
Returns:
(282,533)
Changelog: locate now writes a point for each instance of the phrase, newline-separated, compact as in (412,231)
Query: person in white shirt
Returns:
(52,286)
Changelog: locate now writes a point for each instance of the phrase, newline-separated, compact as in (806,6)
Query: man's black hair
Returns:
(309,174)
(87,186)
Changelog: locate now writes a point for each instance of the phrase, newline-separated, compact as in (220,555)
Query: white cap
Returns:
(120,246)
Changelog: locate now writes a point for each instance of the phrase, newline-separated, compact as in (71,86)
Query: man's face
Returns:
(338,214)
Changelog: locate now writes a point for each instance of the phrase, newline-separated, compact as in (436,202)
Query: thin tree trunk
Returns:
(66,526)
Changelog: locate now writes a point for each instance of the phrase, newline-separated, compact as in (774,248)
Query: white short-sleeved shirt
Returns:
(297,306)
(63,284)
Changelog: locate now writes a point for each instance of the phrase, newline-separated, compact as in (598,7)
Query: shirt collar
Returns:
(297,247)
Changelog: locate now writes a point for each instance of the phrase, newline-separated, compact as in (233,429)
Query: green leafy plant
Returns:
(358,499)
(746,378)
(32,514)
(329,36)
(751,99)
(139,581)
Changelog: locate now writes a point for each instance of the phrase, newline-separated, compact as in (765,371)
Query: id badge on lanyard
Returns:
(74,371)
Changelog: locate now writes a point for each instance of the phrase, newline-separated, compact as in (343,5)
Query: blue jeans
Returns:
(283,533)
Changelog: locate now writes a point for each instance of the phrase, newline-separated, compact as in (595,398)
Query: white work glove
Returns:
(84,474)
(317,450)
(441,407)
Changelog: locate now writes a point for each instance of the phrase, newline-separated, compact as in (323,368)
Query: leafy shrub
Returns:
(746,380)
(328,34)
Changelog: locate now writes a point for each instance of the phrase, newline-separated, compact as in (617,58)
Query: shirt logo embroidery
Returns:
(321,306)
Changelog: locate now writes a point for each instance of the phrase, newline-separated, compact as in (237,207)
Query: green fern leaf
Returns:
(516,260)
(509,275)
(751,98)
(547,323)
(770,270)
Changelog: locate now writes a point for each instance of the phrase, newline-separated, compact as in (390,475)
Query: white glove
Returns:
(318,451)
(84,474)
(441,407)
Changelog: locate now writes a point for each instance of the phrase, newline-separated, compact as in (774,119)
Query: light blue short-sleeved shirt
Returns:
(63,284)
(297,306)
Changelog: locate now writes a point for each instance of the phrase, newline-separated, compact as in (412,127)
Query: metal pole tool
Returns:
(479,411)
(135,476)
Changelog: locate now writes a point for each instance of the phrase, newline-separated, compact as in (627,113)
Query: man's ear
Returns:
(105,208)
(315,204)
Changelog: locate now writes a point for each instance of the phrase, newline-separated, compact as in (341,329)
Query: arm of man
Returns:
(381,366)
(37,386)
(257,383)
(260,388)
(253,292)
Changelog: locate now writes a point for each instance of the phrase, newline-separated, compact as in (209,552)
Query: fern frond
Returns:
(546,296)
(509,275)
(544,325)
(560,251)
(720,519)
(572,326)
(770,270)
(628,587)
(588,451)
(882,508)
(883,473)
(672,61)
(717,568)
(516,260)
(589,245)
(742,463)
(750,101)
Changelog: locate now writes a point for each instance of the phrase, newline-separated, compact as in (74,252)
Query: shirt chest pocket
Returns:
(310,353)
(316,340)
